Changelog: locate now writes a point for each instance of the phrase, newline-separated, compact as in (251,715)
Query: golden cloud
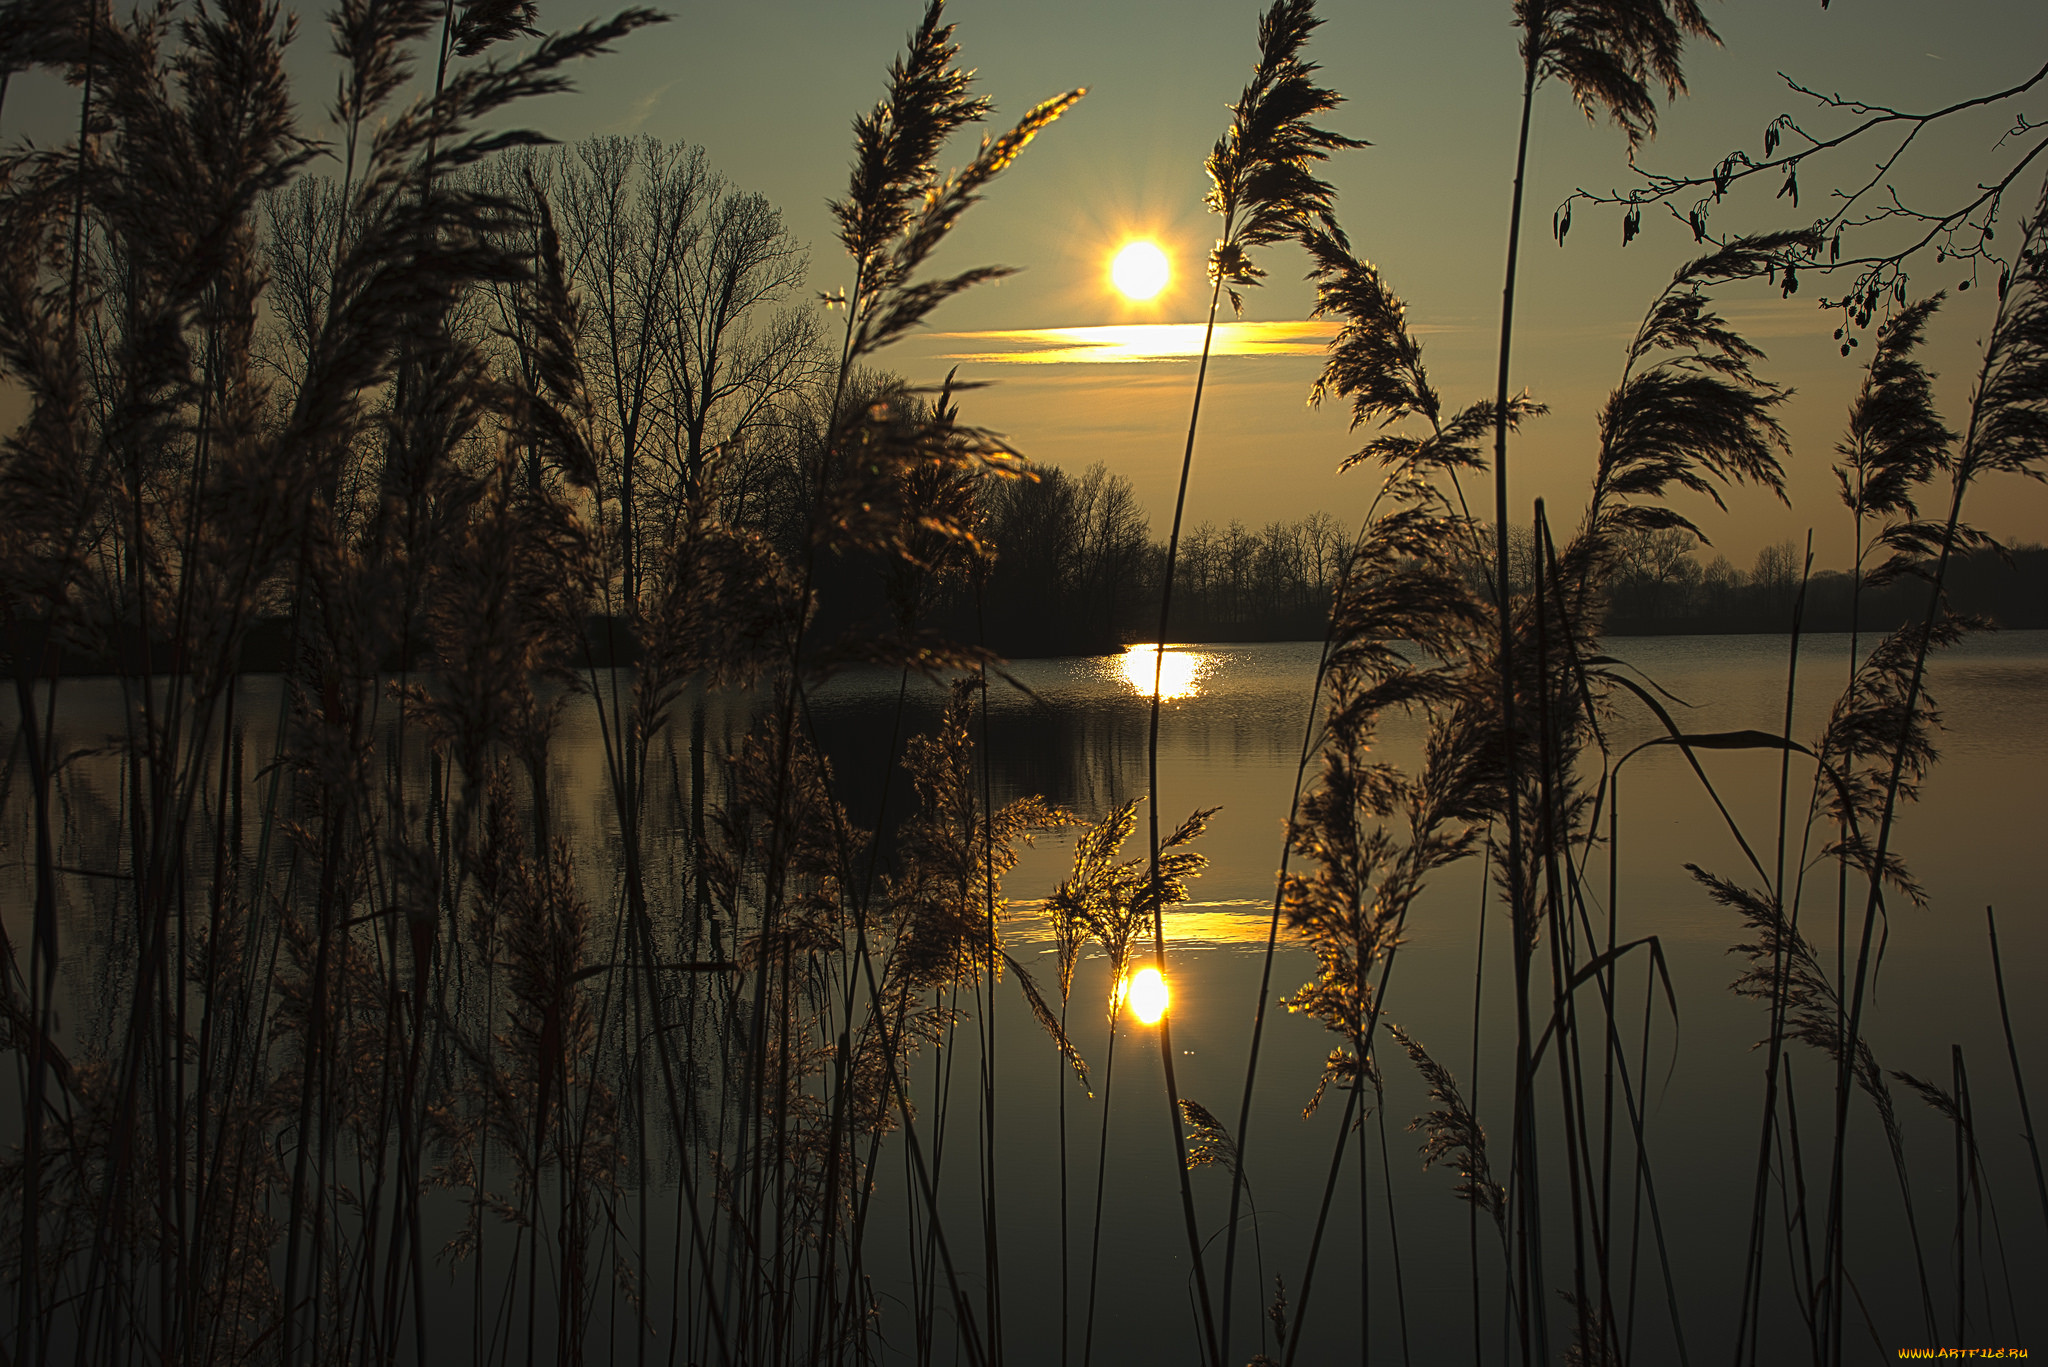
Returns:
(1137,343)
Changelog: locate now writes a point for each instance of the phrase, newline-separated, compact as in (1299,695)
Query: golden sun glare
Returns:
(1180,671)
(1140,270)
(1146,991)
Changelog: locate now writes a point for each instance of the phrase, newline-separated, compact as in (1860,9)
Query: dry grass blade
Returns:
(1051,1023)
(1451,1130)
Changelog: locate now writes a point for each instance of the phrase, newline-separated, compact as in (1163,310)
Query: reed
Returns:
(1264,186)
(1608,54)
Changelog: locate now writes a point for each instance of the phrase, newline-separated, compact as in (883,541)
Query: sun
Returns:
(1140,270)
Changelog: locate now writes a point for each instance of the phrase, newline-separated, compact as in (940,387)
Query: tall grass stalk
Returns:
(2012,1053)
(1748,1322)
(2006,415)
(1607,52)
(1263,186)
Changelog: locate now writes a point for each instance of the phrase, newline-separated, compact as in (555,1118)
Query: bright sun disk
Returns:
(1140,270)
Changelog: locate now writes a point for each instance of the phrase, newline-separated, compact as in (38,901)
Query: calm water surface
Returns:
(1074,731)
(1233,738)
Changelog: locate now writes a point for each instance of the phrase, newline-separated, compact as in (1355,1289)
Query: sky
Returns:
(769,88)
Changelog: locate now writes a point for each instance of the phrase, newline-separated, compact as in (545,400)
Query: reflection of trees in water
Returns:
(96,919)
(1088,757)
(1082,749)
(1085,757)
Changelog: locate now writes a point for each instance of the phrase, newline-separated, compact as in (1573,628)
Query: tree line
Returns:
(1663,588)
(1077,570)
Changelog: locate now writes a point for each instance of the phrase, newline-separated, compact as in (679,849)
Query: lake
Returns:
(1074,732)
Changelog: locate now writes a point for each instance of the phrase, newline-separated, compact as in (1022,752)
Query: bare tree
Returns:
(1113,547)
(731,345)
(690,341)
(1327,541)
(1776,577)
(304,221)
(632,210)
(1659,565)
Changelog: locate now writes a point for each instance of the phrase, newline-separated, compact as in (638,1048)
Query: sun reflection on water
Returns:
(1181,671)
(1147,994)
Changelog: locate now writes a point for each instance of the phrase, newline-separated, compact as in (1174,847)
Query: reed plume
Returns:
(1208,1141)
(898,208)
(1262,171)
(1111,901)
(1452,1131)
(1895,441)
(1264,186)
